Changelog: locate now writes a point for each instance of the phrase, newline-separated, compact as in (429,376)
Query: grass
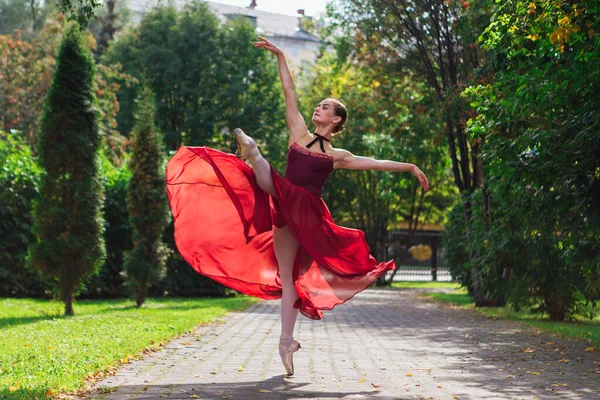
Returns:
(43,353)
(580,329)
(424,285)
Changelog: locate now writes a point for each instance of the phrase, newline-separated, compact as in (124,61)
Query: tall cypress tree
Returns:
(68,219)
(146,201)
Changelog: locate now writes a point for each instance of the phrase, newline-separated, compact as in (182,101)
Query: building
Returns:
(287,32)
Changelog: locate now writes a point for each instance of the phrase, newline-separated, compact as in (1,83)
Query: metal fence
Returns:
(422,274)
(410,269)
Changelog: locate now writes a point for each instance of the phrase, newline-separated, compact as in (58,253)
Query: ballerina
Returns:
(270,236)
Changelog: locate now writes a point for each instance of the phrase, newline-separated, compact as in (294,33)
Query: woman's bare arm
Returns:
(345,159)
(295,120)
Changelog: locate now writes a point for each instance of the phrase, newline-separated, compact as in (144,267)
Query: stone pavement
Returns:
(383,344)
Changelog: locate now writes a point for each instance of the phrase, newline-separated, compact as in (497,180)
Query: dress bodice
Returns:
(308,169)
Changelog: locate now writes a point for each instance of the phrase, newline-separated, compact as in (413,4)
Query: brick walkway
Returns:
(383,344)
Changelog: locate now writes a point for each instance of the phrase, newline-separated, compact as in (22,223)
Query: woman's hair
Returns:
(339,110)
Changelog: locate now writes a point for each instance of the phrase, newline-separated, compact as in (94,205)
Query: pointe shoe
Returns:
(246,145)
(287,353)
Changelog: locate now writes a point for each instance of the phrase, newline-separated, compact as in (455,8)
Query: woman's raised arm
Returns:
(347,160)
(295,120)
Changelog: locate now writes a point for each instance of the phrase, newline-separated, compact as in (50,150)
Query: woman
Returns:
(272,237)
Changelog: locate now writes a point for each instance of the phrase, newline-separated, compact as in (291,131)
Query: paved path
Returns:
(383,344)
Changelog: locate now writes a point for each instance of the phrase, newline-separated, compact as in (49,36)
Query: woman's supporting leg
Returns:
(262,170)
(285,245)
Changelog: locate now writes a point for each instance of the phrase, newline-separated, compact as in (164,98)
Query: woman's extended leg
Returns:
(262,170)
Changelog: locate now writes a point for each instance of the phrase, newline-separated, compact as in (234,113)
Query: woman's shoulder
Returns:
(340,156)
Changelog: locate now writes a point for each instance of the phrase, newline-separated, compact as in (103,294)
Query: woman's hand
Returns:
(266,44)
(420,176)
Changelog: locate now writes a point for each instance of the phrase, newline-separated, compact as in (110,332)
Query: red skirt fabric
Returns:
(224,230)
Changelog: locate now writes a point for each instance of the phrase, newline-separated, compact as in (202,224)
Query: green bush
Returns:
(117,233)
(19,180)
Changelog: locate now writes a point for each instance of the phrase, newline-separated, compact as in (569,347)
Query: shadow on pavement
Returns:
(276,387)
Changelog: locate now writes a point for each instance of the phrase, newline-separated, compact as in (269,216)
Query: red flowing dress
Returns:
(224,228)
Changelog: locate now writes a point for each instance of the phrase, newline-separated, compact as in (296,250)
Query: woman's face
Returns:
(324,114)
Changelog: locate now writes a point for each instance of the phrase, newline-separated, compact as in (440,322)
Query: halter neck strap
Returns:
(320,139)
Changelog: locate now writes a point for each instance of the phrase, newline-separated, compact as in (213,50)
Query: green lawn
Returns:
(44,353)
(425,285)
(581,329)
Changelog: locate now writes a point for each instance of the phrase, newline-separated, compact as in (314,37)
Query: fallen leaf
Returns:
(439,386)
(374,385)
(409,375)
(240,369)
(563,360)
(590,349)
(528,350)
(361,381)
(194,396)
(536,373)
(264,391)
(213,373)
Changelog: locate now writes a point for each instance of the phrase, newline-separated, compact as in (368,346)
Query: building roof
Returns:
(271,24)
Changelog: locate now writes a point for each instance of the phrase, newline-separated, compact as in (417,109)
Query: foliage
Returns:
(26,78)
(19,180)
(146,202)
(103,335)
(79,11)
(25,16)
(478,249)
(539,121)
(68,219)
(117,233)
(207,79)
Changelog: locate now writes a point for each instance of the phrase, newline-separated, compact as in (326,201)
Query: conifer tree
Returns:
(146,201)
(68,221)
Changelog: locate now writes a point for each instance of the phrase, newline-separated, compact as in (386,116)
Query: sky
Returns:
(311,7)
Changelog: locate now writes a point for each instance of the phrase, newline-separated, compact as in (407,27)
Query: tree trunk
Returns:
(69,306)
(140,296)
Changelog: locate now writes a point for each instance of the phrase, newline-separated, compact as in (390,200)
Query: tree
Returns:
(208,79)
(539,120)
(436,40)
(146,202)
(68,220)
